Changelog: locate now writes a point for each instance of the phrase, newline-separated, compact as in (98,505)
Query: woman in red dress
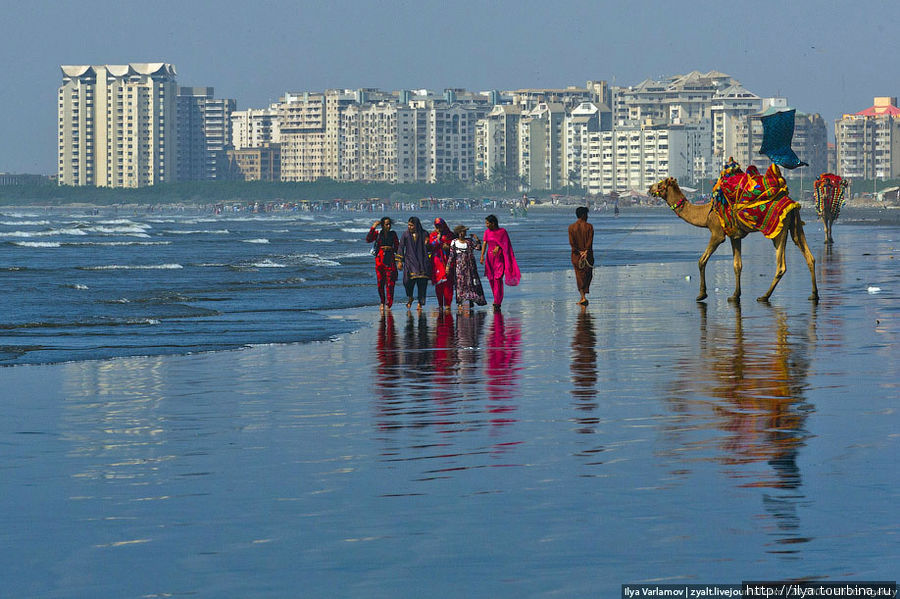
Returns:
(385,248)
(439,247)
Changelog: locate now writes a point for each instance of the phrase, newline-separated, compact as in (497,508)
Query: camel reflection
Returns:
(749,383)
(584,372)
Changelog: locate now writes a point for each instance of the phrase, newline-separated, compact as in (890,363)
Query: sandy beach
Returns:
(546,452)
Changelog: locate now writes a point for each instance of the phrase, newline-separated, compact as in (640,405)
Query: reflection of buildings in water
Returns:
(584,372)
(503,368)
(752,381)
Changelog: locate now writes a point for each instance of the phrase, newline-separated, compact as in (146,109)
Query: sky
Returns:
(829,56)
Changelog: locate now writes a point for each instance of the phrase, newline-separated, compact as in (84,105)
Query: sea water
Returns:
(546,451)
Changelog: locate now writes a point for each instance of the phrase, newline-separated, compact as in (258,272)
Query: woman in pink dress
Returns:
(499,260)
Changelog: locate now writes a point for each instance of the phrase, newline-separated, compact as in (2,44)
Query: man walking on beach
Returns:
(581,238)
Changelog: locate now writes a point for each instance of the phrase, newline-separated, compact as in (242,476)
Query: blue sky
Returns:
(829,57)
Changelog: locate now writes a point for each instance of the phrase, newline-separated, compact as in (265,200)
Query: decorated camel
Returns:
(830,190)
(742,204)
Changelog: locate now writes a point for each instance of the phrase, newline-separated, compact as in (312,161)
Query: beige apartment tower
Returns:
(117,125)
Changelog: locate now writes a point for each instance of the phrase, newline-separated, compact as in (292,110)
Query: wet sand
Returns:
(548,451)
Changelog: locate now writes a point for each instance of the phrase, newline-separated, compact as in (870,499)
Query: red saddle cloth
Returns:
(752,201)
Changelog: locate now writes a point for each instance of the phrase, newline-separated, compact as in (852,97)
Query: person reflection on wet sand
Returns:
(753,381)
(445,359)
(387,374)
(502,370)
(584,372)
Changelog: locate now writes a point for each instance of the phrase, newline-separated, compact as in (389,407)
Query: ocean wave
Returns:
(37,244)
(317,260)
(268,264)
(76,286)
(261,240)
(133,267)
(25,223)
(135,231)
(319,240)
(115,243)
(200,232)
(121,221)
(353,255)
(47,233)
(354,230)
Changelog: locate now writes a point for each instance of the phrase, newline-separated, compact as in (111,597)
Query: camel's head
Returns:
(661,189)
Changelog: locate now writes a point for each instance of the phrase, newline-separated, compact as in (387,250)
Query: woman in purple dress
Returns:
(414,261)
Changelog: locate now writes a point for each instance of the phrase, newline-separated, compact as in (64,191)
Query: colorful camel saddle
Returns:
(830,191)
(750,201)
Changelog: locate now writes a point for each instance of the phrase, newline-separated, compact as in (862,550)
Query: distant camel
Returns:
(830,190)
(705,216)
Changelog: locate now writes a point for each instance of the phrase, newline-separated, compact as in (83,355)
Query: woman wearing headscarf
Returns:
(385,248)
(499,260)
(414,261)
(439,246)
(464,269)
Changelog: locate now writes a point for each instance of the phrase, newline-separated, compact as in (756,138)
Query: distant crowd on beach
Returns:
(449,260)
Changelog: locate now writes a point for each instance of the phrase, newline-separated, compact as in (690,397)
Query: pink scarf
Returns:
(503,265)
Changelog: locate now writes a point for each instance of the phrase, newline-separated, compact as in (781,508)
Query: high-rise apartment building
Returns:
(497,147)
(204,134)
(253,128)
(680,99)
(728,111)
(117,125)
(583,121)
(542,159)
(262,163)
(868,142)
(310,134)
(445,139)
(378,143)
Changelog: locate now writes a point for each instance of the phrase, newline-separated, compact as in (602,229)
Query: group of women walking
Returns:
(444,257)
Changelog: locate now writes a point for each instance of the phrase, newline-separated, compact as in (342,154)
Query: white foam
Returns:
(317,260)
(200,232)
(135,267)
(37,244)
(134,231)
(254,240)
(354,230)
(116,243)
(25,223)
(320,240)
(268,264)
(44,233)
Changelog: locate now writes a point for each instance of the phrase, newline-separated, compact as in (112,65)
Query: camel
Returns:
(703,215)
(829,193)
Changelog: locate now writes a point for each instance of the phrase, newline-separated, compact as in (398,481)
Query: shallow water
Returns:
(547,451)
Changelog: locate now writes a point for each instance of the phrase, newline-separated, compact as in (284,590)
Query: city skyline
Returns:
(829,61)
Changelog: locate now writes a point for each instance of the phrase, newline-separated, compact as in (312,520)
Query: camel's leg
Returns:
(715,240)
(799,238)
(779,242)
(828,223)
(738,266)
